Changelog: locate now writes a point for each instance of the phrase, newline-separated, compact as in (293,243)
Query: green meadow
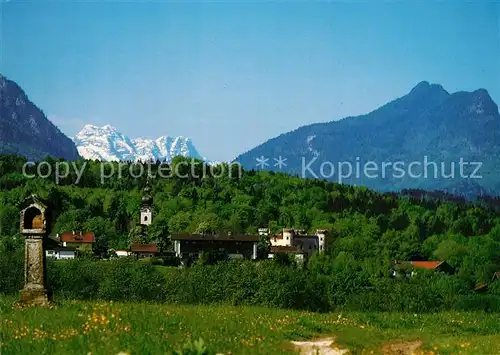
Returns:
(82,327)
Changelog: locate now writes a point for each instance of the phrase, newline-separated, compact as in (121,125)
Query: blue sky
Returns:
(233,74)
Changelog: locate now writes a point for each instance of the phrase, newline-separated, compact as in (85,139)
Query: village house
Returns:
(61,253)
(440,266)
(144,250)
(77,240)
(297,241)
(122,253)
(483,287)
(237,246)
(55,250)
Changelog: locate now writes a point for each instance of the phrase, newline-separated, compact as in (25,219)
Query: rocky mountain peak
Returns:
(25,130)
(426,122)
(106,143)
(426,88)
(484,103)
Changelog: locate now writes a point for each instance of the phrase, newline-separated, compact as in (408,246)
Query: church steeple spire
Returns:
(147,199)
(146,205)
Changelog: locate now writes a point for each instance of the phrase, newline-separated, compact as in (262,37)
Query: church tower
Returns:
(146,206)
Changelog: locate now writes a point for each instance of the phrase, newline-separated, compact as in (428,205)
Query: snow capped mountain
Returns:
(108,144)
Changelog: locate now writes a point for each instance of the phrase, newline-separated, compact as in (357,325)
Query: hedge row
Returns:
(266,283)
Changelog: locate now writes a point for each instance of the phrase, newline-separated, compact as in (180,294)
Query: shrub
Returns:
(171,260)
(212,257)
(77,278)
(284,259)
(326,284)
(476,302)
(152,261)
(130,280)
(11,265)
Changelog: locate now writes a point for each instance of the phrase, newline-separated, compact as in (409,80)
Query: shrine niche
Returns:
(33,225)
(33,219)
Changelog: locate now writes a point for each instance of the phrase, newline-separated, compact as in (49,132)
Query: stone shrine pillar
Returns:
(34,228)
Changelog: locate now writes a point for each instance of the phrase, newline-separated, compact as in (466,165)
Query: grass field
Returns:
(74,327)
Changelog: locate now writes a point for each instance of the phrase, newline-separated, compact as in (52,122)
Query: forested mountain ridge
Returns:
(426,122)
(26,131)
(365,226)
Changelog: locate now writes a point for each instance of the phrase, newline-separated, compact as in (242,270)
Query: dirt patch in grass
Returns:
(325,346)
(401,348)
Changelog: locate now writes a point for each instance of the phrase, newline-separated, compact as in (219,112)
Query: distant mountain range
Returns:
(427,139)
(108,144)
(427,127)
(26,131)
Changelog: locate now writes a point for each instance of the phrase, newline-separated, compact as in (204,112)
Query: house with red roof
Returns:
(432,265)
(77,240)
(440,266)
(144,250)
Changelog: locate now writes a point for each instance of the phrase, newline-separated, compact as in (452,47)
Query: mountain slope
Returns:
(24,129)
(427,127)
(108,144)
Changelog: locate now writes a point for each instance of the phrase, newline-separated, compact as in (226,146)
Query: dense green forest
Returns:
(367,228)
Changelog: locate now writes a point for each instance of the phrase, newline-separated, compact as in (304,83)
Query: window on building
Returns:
(145,218)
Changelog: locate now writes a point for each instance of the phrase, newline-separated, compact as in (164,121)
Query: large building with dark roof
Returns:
(234,244)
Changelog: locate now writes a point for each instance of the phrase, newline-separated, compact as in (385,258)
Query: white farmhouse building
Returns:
(296,242)
(61,253)
(122,253)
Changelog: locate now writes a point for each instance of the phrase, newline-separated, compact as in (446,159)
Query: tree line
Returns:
(367,228)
